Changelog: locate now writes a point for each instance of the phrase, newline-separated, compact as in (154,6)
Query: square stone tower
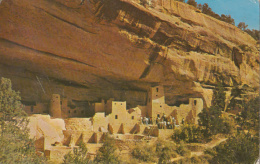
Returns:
(155,101)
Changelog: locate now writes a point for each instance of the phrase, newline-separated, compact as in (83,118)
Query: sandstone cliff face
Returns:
(92,49)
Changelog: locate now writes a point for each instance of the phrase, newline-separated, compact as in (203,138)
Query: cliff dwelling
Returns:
(72,126)
(133,70)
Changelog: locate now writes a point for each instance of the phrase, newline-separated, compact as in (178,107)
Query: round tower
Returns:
(55,106)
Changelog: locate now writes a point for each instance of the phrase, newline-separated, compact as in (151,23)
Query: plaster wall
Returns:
(99,121)
(100,107)
(39,108)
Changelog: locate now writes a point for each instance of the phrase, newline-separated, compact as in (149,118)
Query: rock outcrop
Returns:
(92,49)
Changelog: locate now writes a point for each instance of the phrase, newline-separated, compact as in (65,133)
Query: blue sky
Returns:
(241,10)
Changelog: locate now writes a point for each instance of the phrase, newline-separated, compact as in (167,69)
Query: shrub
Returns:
(188,133)
(144,2)
(107,153)
(79,155)
(192,160)
(183,150)
(165,151)
(228,125)
(144,152)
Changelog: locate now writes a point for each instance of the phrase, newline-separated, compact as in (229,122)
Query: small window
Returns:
(157,89)
(75,111)
(121,104)
(156,95)
(160,106)
(31,108)
(69,111)
(116,117)
(133,117)
(195,102)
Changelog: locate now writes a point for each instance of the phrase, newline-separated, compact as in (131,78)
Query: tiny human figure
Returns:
(164,124)
(158,119)
(169,126)
(182,121)
(160,125)
(173,122)
(146,121)
(164,117)
(169,122)
(150,120)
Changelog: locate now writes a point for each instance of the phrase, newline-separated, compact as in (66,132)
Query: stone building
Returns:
(63,129)
(156,106)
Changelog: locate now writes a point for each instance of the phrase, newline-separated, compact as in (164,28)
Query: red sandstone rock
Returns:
(104,49)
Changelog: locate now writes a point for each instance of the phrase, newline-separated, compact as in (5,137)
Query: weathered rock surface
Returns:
(92,49)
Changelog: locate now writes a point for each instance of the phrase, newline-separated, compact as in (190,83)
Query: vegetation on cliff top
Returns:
(204,8)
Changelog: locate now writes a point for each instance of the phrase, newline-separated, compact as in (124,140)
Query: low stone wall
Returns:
(73,137)
(80,124)
(55,154)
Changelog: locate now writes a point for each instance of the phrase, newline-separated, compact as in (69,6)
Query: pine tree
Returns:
(15,144)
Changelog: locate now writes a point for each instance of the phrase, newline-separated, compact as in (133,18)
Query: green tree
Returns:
(200,7)
(192,3)
(79,155)
(211,119)
(254,33)
(107,153)
(241,148)
(242,26)
(206,9)
(236,98)
(15,144)
(219,97)
(250,114)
